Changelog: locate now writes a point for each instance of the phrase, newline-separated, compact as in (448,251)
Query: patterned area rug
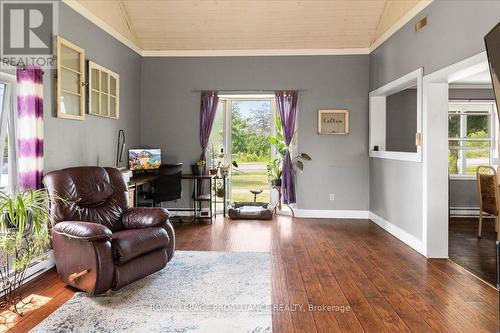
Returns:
(196,292)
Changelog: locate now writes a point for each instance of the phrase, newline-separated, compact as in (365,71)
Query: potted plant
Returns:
(197,167)
(278,141)
(274,171)
(24,238)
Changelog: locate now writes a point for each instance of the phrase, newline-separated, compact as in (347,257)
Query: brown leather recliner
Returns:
(99,243)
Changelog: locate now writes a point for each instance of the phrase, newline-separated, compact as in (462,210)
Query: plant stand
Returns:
(279,205)
(11,283)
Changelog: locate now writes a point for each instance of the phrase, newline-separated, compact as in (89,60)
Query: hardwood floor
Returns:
(477,255)
(378,283)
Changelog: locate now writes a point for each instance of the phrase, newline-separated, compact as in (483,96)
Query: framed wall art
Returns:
(333,122)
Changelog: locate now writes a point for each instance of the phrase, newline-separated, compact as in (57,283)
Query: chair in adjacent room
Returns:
(99,242)
(487,184)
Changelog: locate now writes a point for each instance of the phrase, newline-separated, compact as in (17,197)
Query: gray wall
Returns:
(463,193)
(455,31)
(71,142)
(476,94)
(401,121)
(170,114)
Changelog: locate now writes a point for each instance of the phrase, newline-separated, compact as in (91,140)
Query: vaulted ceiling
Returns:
(183,25)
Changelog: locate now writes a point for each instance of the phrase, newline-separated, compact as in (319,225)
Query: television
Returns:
(144,159)
(492,41)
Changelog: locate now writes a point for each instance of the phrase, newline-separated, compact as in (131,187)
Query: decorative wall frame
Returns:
(333,122)
(70,80)
(104,91)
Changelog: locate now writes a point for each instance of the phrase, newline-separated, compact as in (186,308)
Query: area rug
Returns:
(196,292)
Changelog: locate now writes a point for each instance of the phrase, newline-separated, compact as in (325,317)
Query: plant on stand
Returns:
(24,238)
(275,164)
(274,171)
(197,167)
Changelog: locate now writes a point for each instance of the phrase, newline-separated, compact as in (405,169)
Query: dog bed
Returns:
(250,211)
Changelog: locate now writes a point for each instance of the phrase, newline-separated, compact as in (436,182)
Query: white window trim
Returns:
(377,107)
(494,126)
(8,123)
(227,99)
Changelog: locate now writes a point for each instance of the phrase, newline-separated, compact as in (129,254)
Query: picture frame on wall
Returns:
(333,122)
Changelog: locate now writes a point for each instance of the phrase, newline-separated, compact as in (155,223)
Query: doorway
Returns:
(240,134)
(459,118)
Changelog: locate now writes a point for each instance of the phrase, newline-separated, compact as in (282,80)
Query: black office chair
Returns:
(167,187)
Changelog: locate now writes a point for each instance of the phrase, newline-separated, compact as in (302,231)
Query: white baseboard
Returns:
(399,233)
(331,214)
(464,211)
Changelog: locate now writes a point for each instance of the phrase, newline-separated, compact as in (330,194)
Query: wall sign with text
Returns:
(333,122)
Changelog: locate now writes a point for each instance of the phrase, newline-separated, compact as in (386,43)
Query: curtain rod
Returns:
(247,91)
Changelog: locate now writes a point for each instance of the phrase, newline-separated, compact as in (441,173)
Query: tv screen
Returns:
(144,159)
(492,41)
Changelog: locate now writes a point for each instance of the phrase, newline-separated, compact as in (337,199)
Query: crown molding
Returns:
(76,6)
(73,4)
(262,52)
(400,23)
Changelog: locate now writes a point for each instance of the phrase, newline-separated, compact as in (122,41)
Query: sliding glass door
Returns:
(241,129)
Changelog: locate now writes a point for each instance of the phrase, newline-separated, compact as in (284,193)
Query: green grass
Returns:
(250,179)
(242,183)
(246,196)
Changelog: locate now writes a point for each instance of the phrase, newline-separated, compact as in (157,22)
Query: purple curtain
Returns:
(286,103)
(209,103)
(30,127)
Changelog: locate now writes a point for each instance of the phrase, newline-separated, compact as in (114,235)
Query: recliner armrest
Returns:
(145,217)
(83,230)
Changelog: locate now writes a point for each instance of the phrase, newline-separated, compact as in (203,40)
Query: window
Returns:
(4,171)
(7,128)
(471,136)
(395,124)
(104,91)
(241,127)
(70,92)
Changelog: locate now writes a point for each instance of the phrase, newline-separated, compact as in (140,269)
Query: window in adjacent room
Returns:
(471,136)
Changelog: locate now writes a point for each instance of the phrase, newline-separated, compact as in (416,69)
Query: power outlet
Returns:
(332,196)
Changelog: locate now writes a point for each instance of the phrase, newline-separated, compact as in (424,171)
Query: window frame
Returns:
(377,117)
(492,137)
(227,99)
(8,126)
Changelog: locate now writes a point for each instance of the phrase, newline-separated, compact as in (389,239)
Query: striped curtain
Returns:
(30,127)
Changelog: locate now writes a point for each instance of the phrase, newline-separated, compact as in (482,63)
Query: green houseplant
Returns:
(197,167)
(24,227)
(275,164)
(274,171)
